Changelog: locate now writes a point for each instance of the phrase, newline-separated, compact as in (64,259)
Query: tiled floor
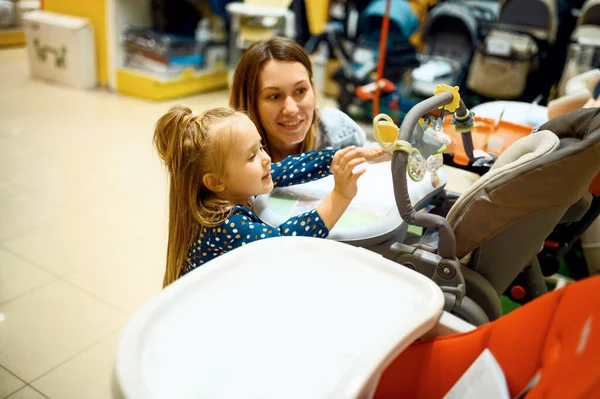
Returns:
(82,229)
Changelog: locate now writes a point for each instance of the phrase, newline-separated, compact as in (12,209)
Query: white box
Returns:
(61,48)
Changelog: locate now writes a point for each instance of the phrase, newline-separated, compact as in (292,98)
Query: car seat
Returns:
(496,228)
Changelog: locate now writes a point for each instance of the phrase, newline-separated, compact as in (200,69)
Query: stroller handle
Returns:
(447,242)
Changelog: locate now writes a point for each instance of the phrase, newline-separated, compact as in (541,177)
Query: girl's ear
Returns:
(212,182)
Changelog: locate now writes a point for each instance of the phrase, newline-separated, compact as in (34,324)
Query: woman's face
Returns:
(286,103)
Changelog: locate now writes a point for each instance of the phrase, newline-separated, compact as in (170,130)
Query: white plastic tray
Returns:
(372,213)
(288,317)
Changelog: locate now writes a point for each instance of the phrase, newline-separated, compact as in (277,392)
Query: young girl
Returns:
(217,163)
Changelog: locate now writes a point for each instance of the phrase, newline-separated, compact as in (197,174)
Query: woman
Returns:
(273,83)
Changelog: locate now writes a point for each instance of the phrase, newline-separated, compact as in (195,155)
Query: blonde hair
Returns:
(190,148)
(244,87)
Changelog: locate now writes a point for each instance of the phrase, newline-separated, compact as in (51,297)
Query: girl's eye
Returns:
(252,157)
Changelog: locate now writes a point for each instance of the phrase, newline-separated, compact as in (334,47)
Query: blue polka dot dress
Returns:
(244,226)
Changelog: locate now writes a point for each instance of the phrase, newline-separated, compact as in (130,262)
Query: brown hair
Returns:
(190,147)
(244,87)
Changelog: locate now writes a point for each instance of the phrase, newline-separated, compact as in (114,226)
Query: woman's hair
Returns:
(244,87)
(190,148)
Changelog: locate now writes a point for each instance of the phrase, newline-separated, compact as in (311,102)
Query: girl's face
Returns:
(286,103)
(249,172)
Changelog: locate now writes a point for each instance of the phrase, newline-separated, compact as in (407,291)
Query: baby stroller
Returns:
(563,243)
(360,59)
(584,51)
(451,35)
(495,229)
(505,63)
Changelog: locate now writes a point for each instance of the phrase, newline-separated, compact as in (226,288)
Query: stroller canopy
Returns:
(538,16)
(451,16)
(403,20)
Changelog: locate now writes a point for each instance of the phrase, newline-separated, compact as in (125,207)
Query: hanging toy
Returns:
(434,163)
(417,166)
(386,133)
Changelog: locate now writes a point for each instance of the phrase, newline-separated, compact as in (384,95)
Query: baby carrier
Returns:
(514,48)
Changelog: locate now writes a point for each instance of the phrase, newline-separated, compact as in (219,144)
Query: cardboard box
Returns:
(61,48)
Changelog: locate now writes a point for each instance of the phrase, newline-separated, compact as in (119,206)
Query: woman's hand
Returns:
(342,166)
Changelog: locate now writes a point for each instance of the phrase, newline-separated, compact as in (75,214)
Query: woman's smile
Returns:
(291,125)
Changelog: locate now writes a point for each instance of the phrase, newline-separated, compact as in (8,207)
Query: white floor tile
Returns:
(8,383)
(8,189)
(88,375)
(23,212)
(48,326)
(128,279)
(71,242)
(27,393)
(18,276)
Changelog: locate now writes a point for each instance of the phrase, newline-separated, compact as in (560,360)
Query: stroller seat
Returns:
(499,224)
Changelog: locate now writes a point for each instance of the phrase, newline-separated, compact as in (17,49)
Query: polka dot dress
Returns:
(244,226)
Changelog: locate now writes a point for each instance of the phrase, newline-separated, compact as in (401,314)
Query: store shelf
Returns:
(12,37)
(151,87)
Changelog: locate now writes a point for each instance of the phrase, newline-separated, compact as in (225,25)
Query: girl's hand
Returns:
(342,166)
(375,154)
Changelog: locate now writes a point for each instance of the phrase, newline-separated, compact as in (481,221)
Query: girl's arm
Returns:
(335,203)
(242,229)
(302,168)
(313,165)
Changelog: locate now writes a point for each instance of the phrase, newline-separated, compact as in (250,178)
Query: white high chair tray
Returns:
(372,213)
(287,317)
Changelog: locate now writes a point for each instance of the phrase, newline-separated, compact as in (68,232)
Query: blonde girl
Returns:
(217,164)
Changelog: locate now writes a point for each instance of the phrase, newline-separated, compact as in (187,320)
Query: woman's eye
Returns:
(273,97)
(301,91)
